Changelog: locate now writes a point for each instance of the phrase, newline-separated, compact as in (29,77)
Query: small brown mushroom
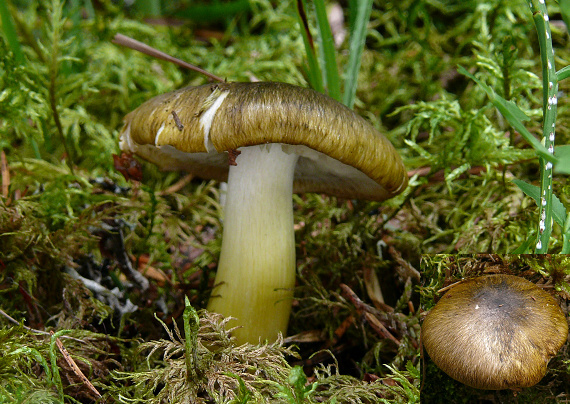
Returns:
(495,332)
(281,139)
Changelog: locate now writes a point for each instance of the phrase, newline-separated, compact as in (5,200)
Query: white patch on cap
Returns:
(207,118)
(158,132)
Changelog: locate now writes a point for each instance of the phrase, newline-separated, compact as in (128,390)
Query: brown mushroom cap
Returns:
(495,332)
(289,139)
(340,153)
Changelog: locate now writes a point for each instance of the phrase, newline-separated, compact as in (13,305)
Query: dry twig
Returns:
(5,174)
(74,366)
(368,313)
(149,50)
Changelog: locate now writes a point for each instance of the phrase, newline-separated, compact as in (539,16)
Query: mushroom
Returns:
(494,332)
(279,139)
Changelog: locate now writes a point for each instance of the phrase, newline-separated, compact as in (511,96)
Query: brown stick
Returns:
(149,50)
(367,312)
(5,174)
(379,327)
(177,186)
(74,366)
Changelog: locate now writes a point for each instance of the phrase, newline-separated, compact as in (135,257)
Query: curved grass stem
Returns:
(550,90)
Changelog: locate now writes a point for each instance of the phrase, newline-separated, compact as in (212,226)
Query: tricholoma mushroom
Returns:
(495,332)
(267,140)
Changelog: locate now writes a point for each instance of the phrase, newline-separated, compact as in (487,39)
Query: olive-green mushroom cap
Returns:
(495,332)
(340,153)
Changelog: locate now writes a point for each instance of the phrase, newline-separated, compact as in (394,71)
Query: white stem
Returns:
(256,272)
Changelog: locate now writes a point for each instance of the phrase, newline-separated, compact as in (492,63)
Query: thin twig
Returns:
(149,50)
(379,328)
(5,174)
(177,186)
(450,286)
(2,312)
(368,312)
(74,366)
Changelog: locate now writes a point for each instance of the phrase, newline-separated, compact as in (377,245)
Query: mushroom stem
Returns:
(256,272)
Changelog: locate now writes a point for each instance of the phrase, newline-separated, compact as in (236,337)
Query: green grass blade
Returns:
(563,155)
(550,101)
(313,71)
(558,209)
(563,73)
(328,51)
(566,236)
(353,12)
(529,190)
(526,246)
(357,40)
(213,12)
(10,32)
